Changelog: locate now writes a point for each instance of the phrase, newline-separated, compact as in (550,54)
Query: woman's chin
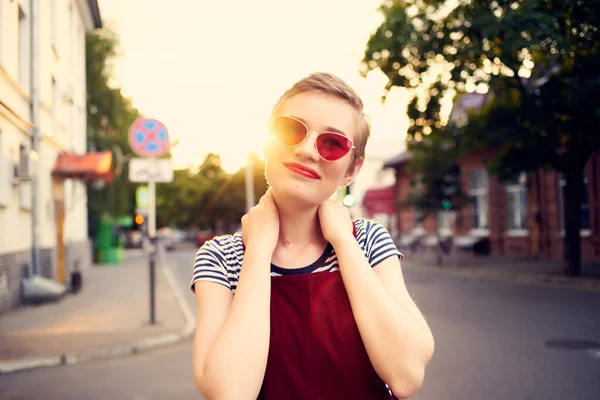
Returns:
(297,196)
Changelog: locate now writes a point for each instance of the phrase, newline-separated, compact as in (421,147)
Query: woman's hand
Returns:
(260,226)
(335,221)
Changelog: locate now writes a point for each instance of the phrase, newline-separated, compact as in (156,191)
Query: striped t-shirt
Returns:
(220,259)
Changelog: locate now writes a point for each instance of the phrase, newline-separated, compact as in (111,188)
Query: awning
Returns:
(87,166)
(379,201)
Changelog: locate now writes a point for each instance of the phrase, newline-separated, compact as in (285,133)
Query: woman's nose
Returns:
(307,149)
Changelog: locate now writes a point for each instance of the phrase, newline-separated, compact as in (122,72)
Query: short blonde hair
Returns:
(322,82)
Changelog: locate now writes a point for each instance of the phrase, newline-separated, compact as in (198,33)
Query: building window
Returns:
(23,46)
(1,30)
(584,208)
(516,199)
(418,223)
(4,173)
(81,53)
(478,199)
(419,216)
(23,160)
(71,133)
(53,25)
(24,170)
(445,219)
(70,36)
(54,107)
(25,165)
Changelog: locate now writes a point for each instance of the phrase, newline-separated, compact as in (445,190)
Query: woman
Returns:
(304,303)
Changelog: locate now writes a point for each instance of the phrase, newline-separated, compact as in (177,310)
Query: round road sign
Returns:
(149,138)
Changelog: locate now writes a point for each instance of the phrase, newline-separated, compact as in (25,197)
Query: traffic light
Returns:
(348,199)
(138,221)
(446,204)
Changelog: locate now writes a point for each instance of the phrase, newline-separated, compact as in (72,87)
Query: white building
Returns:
(43,212)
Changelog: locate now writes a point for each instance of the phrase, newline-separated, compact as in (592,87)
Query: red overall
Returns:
(315,350)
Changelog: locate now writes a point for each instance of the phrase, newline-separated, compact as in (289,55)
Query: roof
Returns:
(466,102)
(397,160)
(95,11)
(469,101)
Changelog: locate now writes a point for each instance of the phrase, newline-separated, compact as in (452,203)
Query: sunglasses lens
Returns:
(332,146)
(289,131)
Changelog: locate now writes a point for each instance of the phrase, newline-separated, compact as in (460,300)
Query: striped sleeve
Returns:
(210,265)
(379,244)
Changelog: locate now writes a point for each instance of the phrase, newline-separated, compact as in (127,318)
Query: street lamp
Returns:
(249,184)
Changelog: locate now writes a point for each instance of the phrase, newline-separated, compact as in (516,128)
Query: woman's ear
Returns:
(352,171)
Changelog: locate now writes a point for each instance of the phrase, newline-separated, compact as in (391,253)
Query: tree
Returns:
(204,199)
(209,197)
(436,187)
(540,60)
(183,201)
(109,115)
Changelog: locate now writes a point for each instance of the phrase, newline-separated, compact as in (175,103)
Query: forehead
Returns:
(321,111)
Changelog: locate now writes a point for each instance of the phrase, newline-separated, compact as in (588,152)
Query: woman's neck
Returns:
(299,227)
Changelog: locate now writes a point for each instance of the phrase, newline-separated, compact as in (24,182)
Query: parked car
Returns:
(170,237)
(134,240)
(202,237)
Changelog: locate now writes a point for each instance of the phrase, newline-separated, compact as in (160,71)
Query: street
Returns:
(493,341)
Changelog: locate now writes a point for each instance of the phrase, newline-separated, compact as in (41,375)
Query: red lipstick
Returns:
(302,170)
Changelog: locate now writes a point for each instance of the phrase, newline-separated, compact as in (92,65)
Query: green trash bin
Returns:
(109,242)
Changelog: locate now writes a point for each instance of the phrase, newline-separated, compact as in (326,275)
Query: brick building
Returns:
(522,219)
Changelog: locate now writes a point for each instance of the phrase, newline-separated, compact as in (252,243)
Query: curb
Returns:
(140,346)
(520,278)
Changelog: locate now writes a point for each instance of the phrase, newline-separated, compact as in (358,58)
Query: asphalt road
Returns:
(493,341)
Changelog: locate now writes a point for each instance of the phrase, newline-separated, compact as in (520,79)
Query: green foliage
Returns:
(201,199)
(207,197)
(437,184)
(539,58)
(109,115)
(437,51)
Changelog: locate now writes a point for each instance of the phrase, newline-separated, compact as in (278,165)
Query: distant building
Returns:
(43,212)
(522,219)
(373,193)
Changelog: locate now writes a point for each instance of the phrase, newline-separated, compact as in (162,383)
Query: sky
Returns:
(212,70)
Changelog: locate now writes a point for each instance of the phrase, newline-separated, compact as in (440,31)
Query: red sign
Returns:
(149,138)
(379,201)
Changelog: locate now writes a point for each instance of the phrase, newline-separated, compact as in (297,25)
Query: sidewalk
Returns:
(518,271)
(109,317)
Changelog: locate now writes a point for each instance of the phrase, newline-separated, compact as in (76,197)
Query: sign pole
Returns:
(149,139)
(153,248)
(151,209)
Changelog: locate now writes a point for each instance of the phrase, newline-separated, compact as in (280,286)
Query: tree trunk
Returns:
(572,221)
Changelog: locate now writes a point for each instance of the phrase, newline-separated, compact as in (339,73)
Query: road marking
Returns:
(18,365)
(188,315)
